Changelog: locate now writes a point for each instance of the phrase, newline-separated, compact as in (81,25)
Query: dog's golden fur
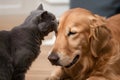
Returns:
(95,39)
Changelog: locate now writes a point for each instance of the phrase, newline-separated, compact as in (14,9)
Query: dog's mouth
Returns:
(73,62)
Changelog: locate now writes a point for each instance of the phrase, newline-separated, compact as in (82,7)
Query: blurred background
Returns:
(13,13)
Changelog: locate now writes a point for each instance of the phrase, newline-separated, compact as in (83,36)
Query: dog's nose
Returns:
(53,58)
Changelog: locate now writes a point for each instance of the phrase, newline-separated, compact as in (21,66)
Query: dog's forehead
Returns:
(74,18)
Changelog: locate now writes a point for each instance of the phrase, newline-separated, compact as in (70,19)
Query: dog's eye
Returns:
(71,33)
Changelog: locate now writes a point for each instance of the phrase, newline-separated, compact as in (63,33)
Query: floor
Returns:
(41,67)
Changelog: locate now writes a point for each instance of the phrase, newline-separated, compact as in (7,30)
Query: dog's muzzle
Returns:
(73,62)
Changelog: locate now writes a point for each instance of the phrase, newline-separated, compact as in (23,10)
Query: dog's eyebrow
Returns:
(74,29)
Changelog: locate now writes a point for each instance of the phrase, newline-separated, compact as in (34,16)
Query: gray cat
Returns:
(21,46)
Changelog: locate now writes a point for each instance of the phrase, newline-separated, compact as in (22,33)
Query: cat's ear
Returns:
(40,7)
(40,17)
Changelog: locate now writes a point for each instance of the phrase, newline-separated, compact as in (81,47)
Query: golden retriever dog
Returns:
(87,47)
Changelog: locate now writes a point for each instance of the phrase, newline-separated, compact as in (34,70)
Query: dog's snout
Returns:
(53,58)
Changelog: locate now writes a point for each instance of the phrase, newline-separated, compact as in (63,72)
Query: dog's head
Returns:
(80,34)
(42,19)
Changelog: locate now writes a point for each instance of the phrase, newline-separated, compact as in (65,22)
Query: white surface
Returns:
(58,1)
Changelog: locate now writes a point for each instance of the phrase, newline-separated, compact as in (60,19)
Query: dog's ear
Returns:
(99,34)
(40,7)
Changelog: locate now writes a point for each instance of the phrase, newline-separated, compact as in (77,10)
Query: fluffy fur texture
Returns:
(89,47)
(21,46)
